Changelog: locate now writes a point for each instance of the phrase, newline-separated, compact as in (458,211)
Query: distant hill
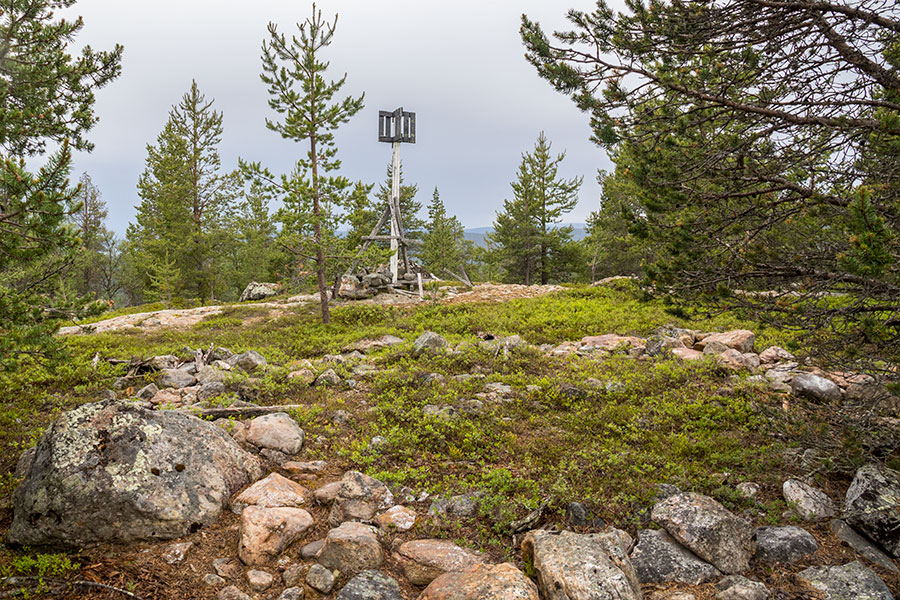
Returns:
(476,234)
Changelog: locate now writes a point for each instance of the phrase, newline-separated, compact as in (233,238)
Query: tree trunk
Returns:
(317,235)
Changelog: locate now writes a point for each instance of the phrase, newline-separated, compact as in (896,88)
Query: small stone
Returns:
(291,593)
(213,580)
(852,581)
(174,378)
(784,544)
(259,581)
(176,552)
(398,518)
(147,392)
(316,466)
(816,388)
(266,532)
(810,503)
(359,498)
(320,579)
(429,341)
(482,582)
(210,390)
(736,587)
(258,291)
(311,550)
(302,376)
(328,378)
(773,354)
(293,575)
(370,585)
(248,361)
(748,490)
(271,492)
(226,567)
(278,431)
(326,494)
(741,340)
(351,548)
(232,593)
(424,560)
(462,506)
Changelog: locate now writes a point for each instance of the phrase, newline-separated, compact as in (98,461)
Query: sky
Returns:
(458,65)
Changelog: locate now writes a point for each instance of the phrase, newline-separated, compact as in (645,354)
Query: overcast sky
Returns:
(458,65)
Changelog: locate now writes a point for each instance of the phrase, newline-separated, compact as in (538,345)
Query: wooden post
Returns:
(395,206)
(421,290)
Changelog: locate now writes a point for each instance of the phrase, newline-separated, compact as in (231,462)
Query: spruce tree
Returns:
(294,72)
(444,246)
(409,208)
(46,102)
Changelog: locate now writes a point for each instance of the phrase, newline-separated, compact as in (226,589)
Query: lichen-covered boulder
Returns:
(115,472)
(852,581)
(658,558)
(872,506)
(258,291)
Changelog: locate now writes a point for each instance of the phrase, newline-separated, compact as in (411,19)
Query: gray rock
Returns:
(810,503)
(666,490)
(248,361)
(849,536)
(277,431)
(573,565)
(209,374)
(320,579)
(462,506)
(213,580)
(816,388)
(370,585)
(258,291)
(708,529)
(293,575)
(259,581)
(852,581)
(872,506)
(351,548)
(736,587)
(578,515)
(117,472)
(232,593)
(359,498)
(328,378)
(784,544)
(291,593)
(659,558)
(210,390)
(166,361)
(748,490)
(24,463)
(310,550)
(147,392)
(429,341)
(175,378)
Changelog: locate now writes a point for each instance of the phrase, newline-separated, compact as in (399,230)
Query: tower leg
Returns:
(395,217)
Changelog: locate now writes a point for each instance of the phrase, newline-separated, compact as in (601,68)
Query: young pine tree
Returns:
(444,246)
(295,74)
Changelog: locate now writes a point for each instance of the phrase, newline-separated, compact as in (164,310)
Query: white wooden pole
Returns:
(395,202)
(421,290)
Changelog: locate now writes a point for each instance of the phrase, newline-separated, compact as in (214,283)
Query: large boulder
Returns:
(258,291)
(482,582)
(815,387)
(658,558)
(359,498)
(424,560)
(872,506)
(573,565)
(115,472)
(852,581)
(708,529)
(784,544)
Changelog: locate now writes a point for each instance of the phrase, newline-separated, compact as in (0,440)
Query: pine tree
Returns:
(444,246)
(91,227)
(46,97)
(294,74)
(409,208)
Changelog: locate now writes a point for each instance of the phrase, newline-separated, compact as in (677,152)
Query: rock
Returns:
(665,490)
(302,376)
(741,340)
(213,580)
(578,515)
(397,518)
(784,544)
(24,463)
(462,506)
(176,552)
(232,593)
(174,378)
(370,585)
(852,581)
(773,354)
(748,490)
(429,341)
(147,392)
(482,582)
(872,506)
(165,361)
(849,536)
(736,587)
(259,581)
(209,374)
(811,503)
(211,390)
(326,494)
(117,472)
(814,387)
(277,431)
(424,560)
(311,550)
(351,548)
(687,354)
(248,361)
(672,596)
(718,348)
(320,579)
(316,466)
(658,558)
(291,593)
(574,565)
(359,498)
(293,575)
(610,342)
(271,492)
(258,291)
(328,378)
(226,567)
(366,346)
(267,532)
(708,529)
